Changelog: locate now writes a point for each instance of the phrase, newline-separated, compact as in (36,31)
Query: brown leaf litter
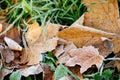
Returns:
(102,15)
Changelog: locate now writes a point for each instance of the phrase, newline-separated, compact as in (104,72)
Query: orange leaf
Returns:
(103,15)
(85,36)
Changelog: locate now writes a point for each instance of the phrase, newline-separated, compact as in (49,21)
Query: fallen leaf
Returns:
(85,57)
(34,31)
(41,47)
(47,73)
(59,50)
(7,54)
(80,21)
(32,70)
(12,44)
(1,27)
(44,39)
(76,70)
(102,15)
(4,72)
(24,55)
(85,36)
(14,34)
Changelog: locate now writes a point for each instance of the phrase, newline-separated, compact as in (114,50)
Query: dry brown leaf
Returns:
(1,27)
(80,21)
(4,72)
(85,36)
(12,44)
(59,50)
(103,15)
(33,33)
(24,55)
(85,57)
(41,47)
(14,34)
(47,73)
(40,40)
(32,70)
(36,33)
(76,70)
(7,54)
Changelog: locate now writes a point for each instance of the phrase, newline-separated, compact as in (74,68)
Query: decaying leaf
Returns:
(85,36)
(33,33)
(4,72)
(12,44)
(36,33)
(47,73)
(31,70)
(7,54)
(40,40)
(85,57)
(1,27)
(80,21)
(40,47)
(59,50)
(62,49)
(103,15)
(24,55)
(14,34)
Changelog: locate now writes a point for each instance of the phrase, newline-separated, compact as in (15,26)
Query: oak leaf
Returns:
(85,57)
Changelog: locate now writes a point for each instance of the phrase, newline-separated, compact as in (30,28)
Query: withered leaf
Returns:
(33,32)
(1,27)
(85,57)
(4,72)
(14,34)
(40,47)
(80,21)
(85,36)
(7,54)
(40,40)
(12,44)
(47,73)
(103,15)
(31,70)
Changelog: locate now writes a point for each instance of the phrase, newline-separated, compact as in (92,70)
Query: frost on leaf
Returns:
(40,40)
(31,70)
(85,57)
(12,44)
(85,36)
(102,15)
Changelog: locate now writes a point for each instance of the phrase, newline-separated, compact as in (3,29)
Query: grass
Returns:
(21,13)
